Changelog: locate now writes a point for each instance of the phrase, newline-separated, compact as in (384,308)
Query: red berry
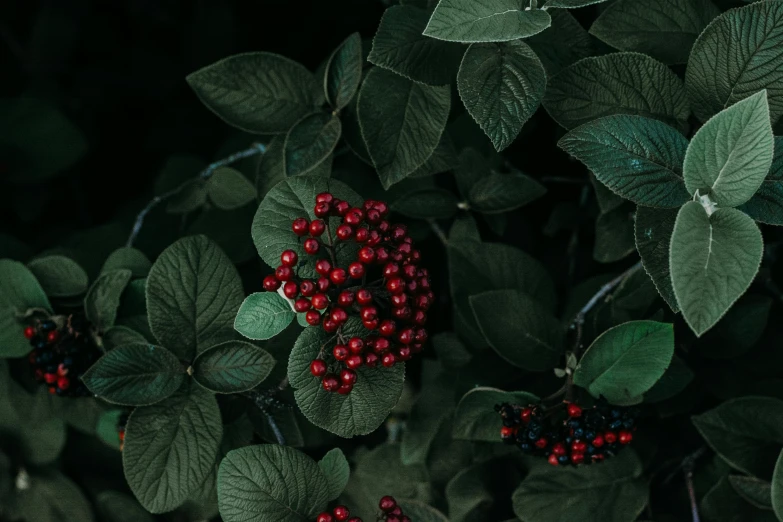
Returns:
(313,318)
(577,458)
(387,328)
(506,432)
(404,353)
(419,317)
(387,504)
(553,460)
(29,331)
(405,249)
(402,313)
(367,255)
(320,301)
(311,246)
(50,378)
(341,513)
(340,352)
(382,207)
(330,326)
(370,360)
(363,297)
(388,359)
(526,414)
(421,336)
(354,361)
(559,449)
(354,216)
(411,287)
(317,227)
(578,446)
(52,390)
(368,313)
(338,276)
(302,305)
(271,284)
(318,368)
(323,267)
(625,437)
(324,197)
(288,258)
(344,232)
(381,345)
(62,371)
(541,443)
(300,226)
(52,336)
(346,298)
(393,518)
(323,284)
(342,207)
(325,517)
(284,273)
(610,437)
(371,324)
(330,382)
(356,345)
(598,441)
(345,389)
(398,233)
(391,270)
(373,216)
(395,285)
(322,209)
(290,290)
(406,336)
(362,235)
(422,302)
(381,255)
(356,270)
(574,410)
(399,300)
(348,376)
(307,288)
(339,315)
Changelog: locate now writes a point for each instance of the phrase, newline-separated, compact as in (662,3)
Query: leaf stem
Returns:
(438,232)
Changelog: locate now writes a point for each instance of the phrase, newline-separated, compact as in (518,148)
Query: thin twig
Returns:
(687,469)
(256,148)
(273,424)
(438,232)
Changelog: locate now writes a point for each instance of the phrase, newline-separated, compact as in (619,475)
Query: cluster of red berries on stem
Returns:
(585,436)
(384,287)
(61,354)
(390,512)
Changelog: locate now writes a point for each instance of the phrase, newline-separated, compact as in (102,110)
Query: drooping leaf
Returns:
(263,315)
(170,447)
(517,328)
(228,189)
(103,298)
(270,483)
(137,374)
(232,367)
(310,142)
(476,418)
(638,158)
(664,29)
(501,85)
(563,44)
(401,122)
(730,156)
(497,21)
(257,92)
(619,83)
(59,276)
(375,393)
(344,72)
(736,56)
(626,361)
(431,203)
(193,295)
(19,292)
(766,205)
(653,232)
(713,260)
(400,46)
(336,470)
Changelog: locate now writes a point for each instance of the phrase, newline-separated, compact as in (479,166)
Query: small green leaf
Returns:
(128,258)
(258,92)
(360,412)
(171,447)
(501,85)
(263,315)
(401,122)
(570,4)
(270,483)
(232,367)
(103,298)
(136,374)
(498,21)
(730,156)
(310,142)
(59,276)
(744,432)
(193,295)
(653,232)
(664,29)
(228,188)
(619,83)
(777,488)
(498,193)
(476,418)
(344,72)
(431,203)
(626,361)
(336,470)
(713,260)
(766,205)
(638,158)
(518,329)
(755,491)
(400,46)
(19,292)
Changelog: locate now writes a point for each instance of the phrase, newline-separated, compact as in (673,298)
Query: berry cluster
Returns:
(390,512)
(585,436)
(61,354)
(383,286)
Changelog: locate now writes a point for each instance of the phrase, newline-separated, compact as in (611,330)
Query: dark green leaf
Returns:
(674,380)
(228,189)
(425,419)
(498,21)
(335,469)
(766,205)
(722,502)
(468,491)
(128,258)
(498,193)
(432,203)
(344,72)
(189,198)
(310,142)
(263,93)
(755,491)
(740,329)
(103,298)
(114,506)
(420,511)
(565,43)
(136,374)
(653,231)
(232,367)
(614,235)
(777,488)
(476,418)
(42,500)
(19,292)
(451,352)
(443,159)
(571,4)
(59,276)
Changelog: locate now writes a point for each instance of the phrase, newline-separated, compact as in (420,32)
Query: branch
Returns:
(608,287)
(256,148)
(438,232)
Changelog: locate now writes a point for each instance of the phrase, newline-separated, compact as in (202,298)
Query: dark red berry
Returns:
(409,271)
(388,359)
(345,389)
(338,276)
(506,432)
(421,336)
(322,209)
(398,233)
(346,298)
(610,437)
(348,376)
(344,232)
(368,313)
(288,258)
(598,441)
(541,443)
(367,255)
(325,517)
(323,284)
(324,197)
(50,378)
(354,216)
(341,513)
(290,290)
(387,327)
(342,208)
(354,361)
(362,235)
(356,270)
(363,297)
(330,326)
(339,315)
(356,345)
(395,285)
(271,284)
(323,267)
(318,368)
(406,336)
(574,410)
(419,317)
(307,288)
(373,216)
(404,353)
(313,318)
(402,313)
(553,460)
(559,449)
(371,324)
(29,331)
(526,414)
(311,246)
(381,345)
(370,360)
(399,300)
(391,270)
(302,305)
(381,255)
(284,273)
(320,301)
(340,352)
(625,437)
(330,382)
(300,226)
(577,458)
(578,446)
(387,504)
(422,302)
(317,227)
(52,336)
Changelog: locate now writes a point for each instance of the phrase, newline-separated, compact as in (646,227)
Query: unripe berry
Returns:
(330,382)
(300,226)
(356,270)
(354,361)
(307,288)
(320,301)
(346,298)
(284,273)
(344,232)
(356,345)
(317,227)
(367,255)
(323,267)
(340,352)
(312,246)
(388,360)
(288,258)
(313,318)
(318,368)
(290,289)
(338,276)
(302,305)
(363,297)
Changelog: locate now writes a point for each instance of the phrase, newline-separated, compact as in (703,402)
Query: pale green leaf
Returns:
(497,21)
(263,315)
(232,367)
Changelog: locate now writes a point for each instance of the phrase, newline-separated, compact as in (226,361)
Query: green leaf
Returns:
(262,93)
(518,329)
(344,72)
(501,85)
(189,198)
(664,29)
(566,43)
(59,276)
(498,193)
(335,469)
(766,205)
(755,491)
(428,415)
(128,258)
(626,361)
(653,232)
(674,380)
(228,188)
(619,83)
(310,142)
(114,506)
(443,159)
(263,315)
(103,298)
(476,418)
(498,21)
(288,200)
(19,292)
(421,512)
(400,46)
(433,203)
(193,295)
(740,329)
(171,447)
(451,352)
(611,492)
(270,483)
(570,4)
(401,122)
(730,156)
(136,374)
(744,432)
(469,492)
(777,488)
(232,367)
(713,260)
(723,503)
(736,56)
(375,393)
(42,500)
(638,158)
(613,235)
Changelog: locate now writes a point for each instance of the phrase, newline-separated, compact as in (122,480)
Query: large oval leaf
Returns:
(497,21)
(232,367)
(59,276)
